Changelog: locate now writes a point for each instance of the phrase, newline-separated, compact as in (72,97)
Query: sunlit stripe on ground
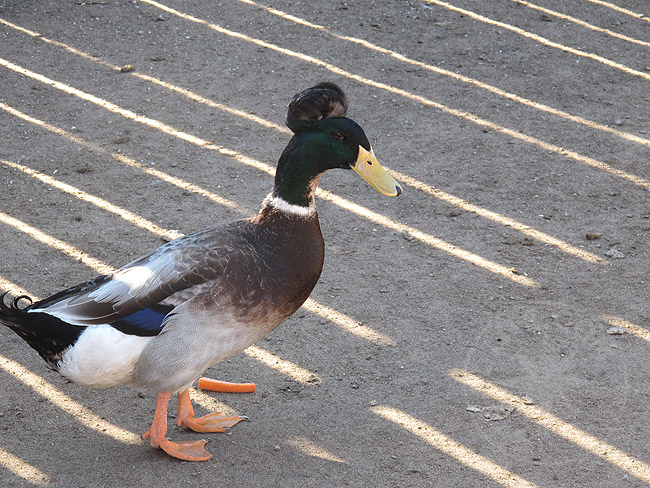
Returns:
(465,79)
(417,98)
(191,95)
(540,39)
(210,404)
(569,432)
(582,23)
(11,288)
(339,318)
(622,10)
(349,324)
(375,217)
(353,326)
(299,374)
(636,330)
(55,243)
(412,182)
(404,178)
(510,273)
(178,182)
(501,219)
(67,404)
(310,448)
(453,448)
(23,469)
(98,202)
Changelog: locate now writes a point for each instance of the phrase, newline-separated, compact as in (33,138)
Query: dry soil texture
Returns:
(496,323)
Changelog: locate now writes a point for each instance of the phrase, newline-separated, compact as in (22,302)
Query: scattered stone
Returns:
(492,413)
(509,241)
(157,58)
(496,413)
(618,121)
(407,235)
(592,236)
(616,331)
(86,168)
(527,241)
(122,140)
(127,68)
(614,253)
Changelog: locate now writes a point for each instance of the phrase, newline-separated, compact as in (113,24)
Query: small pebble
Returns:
(614,253)
(127,68)
(592,236)
(407,235)
(496,413)
(616,331)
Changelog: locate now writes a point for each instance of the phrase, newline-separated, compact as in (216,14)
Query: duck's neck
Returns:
(295,185)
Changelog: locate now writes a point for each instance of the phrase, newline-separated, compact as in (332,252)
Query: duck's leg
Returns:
(212,422)
(185,450)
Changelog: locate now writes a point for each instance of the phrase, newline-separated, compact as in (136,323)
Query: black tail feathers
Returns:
(13,309)
(48,335)
(12,315)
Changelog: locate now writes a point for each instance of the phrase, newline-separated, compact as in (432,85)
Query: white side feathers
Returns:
(102,357)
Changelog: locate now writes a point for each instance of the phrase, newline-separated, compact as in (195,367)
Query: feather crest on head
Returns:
(322,101)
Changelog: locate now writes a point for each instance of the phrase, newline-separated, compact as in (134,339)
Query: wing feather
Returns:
(187,262)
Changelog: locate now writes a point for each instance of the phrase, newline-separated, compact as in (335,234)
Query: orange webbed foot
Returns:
(185,450)
(212,422)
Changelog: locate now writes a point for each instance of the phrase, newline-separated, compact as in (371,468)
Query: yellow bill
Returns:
(370,170)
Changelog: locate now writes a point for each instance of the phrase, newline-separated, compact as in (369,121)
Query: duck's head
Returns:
(325,139)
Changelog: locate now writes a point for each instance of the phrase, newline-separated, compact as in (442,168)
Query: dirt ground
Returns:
(496,322)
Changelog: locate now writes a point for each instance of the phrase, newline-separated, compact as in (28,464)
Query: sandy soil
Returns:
(499,339)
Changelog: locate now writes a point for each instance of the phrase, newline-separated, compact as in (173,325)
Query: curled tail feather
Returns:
(48,335)
(13,309)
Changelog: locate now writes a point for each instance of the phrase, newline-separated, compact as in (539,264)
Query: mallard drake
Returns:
(160,321)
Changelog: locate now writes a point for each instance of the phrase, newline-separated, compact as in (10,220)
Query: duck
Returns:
(159,322)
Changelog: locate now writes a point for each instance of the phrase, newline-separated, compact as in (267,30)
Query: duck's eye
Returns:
(337,135)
